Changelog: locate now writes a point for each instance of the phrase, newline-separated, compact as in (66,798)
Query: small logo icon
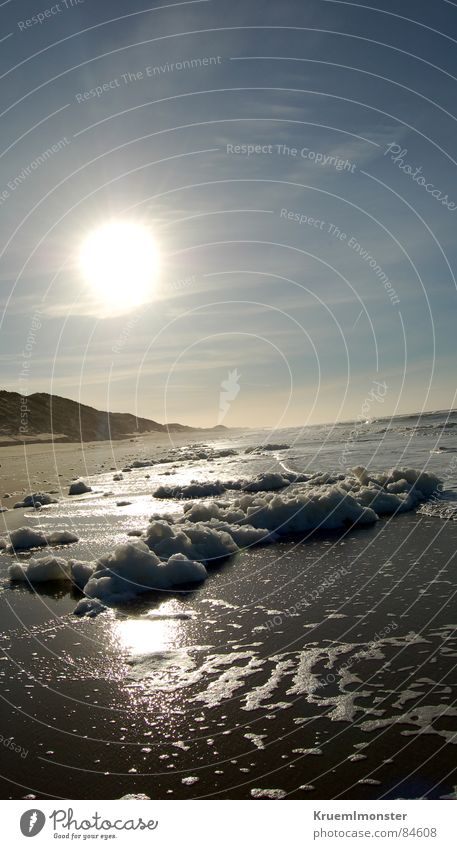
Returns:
(229,391)
(32,822)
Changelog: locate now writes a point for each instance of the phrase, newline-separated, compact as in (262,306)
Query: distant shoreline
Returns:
(62,439)
(51,466)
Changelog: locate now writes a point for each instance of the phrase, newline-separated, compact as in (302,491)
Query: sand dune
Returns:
(44,418)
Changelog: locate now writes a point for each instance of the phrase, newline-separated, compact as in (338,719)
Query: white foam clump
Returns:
(260,793)
(329,507)
(135,796)
(452,795)
(173,550)
(270,481)
(48,569)
(36,499)
(205,537)
(25,538)
(132,569)
(63,537)
(244,536)
(398,490)
(266,482)
(269,446)
(129,571)
(202,452)
(217,529)
(355,500)
(195,541)
(90,607)
(81,571)
(142,464)
(195,489)
(79,487)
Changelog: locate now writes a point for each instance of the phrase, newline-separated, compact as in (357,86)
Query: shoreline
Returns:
(51,466)
(316,667)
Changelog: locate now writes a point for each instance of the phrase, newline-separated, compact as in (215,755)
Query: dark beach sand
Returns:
(84,697)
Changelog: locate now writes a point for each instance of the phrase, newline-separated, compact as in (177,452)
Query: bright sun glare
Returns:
(119,260)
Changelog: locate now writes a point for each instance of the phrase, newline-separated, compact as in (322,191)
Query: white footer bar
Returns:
(234,824)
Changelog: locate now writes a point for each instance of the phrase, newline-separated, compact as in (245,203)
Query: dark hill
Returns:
(63,420)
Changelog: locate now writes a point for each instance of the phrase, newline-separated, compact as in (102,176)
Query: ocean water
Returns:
(319,666)
(427,443)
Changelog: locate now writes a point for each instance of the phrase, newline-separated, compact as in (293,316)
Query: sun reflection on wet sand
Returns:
(160,630)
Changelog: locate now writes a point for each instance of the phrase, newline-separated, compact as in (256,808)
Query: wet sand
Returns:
(266,678)
(49,467)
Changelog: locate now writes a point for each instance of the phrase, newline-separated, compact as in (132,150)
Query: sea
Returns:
(321,665)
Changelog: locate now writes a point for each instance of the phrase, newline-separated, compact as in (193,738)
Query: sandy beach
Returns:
(234,689)
(316,665)
(50,467)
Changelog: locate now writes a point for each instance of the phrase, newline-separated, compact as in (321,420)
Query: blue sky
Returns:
(265,258)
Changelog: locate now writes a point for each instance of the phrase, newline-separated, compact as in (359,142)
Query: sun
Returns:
(119,261)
